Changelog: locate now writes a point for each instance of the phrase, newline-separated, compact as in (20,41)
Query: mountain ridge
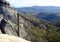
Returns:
(50,9)
(42,12)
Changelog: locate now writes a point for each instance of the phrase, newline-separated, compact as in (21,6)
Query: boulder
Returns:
(9,38)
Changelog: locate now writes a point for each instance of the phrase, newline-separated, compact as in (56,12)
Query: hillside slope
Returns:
(30,27)
(40,31)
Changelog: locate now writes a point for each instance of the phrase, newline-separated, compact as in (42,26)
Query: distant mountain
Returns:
(48,17)
(38,9)
(49,13)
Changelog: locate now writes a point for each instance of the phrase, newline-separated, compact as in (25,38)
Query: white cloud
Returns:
(22,3)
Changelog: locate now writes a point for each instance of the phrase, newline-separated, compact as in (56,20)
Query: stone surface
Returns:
(9,38)
(9,15)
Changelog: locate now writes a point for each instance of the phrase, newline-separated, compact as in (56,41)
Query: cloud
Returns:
(23,3)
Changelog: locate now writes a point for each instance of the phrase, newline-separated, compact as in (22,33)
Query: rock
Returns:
(1,17)
(9,15)
(9,38)
(43,26)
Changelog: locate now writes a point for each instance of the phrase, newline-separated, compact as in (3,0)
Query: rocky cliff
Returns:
(8,21)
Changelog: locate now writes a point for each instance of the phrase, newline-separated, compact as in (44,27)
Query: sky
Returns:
(28,3)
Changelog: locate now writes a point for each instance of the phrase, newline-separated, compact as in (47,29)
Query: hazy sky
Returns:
(27,3)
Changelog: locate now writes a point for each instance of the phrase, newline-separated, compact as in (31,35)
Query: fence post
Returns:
(18,22)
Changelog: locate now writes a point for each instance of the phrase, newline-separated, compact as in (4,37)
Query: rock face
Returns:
(6,16)
(8,21)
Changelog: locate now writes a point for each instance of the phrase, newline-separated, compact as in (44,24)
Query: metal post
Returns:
(18,22)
